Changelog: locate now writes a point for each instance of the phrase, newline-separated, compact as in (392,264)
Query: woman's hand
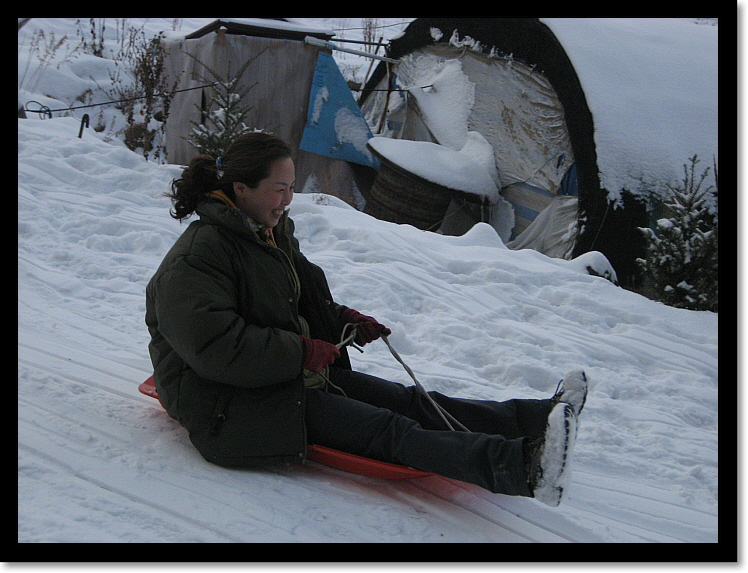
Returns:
(318,354)
(367,328)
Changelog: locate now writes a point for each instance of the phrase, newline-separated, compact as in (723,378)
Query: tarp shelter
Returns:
(285,77)
(585,116)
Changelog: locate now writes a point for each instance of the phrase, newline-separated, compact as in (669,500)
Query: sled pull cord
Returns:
(344,340)
(348,340)
(441,411)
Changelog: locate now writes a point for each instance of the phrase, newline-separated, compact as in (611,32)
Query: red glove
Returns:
(367,329)
(318,353)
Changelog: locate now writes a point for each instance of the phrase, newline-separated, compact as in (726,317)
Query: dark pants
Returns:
(387,421)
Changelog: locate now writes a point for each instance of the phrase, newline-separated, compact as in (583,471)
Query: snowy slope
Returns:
(97,461)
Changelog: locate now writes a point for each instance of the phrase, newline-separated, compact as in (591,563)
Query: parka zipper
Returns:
(219,411)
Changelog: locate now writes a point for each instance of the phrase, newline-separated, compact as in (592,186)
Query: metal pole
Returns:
(330,46)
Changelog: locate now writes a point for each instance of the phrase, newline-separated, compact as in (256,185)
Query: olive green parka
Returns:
(223,311)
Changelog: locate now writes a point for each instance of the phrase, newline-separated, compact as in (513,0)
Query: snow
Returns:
(651,85)
(351,128)
(99,462)
(469,316)
(438,164)
(322,96)
(444,94)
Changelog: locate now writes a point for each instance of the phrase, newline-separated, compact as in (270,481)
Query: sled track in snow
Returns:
(87,420)
(75,441)
(121,485)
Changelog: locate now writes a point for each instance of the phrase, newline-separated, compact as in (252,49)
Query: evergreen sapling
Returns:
(682,251)
(224,121)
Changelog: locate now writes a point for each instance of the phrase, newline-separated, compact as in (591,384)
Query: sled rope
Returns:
(349,339)
(346,338)
(344,341)
(441,411)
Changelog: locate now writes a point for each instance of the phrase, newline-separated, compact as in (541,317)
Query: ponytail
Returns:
(197,179)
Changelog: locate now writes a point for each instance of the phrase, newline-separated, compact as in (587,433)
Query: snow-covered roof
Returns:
(651,85)
(264,26)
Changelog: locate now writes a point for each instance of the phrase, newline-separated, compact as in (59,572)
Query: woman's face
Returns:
(265,204)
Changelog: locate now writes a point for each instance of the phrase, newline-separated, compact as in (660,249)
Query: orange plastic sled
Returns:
(334,458)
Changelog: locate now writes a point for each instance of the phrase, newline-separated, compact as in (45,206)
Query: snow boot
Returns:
(572,390)
(548,458)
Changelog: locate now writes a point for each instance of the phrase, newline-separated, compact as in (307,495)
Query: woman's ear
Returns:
(239,188)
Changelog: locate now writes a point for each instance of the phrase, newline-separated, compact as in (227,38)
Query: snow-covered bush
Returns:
(681,268)
(144,94)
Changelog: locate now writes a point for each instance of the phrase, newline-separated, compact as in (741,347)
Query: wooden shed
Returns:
(279,82)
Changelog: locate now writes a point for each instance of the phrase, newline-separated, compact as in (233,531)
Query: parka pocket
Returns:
(220,410)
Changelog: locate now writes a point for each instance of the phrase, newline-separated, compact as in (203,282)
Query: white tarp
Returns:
(554,230)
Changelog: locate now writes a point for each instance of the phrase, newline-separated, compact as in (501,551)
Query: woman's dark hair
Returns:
(247,160)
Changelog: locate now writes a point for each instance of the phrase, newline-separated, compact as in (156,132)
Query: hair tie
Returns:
(219,169)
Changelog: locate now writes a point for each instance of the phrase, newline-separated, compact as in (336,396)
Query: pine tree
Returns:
(682,252)
(224,121)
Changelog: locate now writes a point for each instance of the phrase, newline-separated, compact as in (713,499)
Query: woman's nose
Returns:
(287,196)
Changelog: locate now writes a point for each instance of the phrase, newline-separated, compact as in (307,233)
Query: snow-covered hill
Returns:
(99,462)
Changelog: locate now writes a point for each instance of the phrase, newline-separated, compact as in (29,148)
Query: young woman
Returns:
(243,343)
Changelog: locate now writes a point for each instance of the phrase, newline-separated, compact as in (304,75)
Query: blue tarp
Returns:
(335,126)
(570,183)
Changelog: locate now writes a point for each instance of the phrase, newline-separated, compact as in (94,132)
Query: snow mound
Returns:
(438,164)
